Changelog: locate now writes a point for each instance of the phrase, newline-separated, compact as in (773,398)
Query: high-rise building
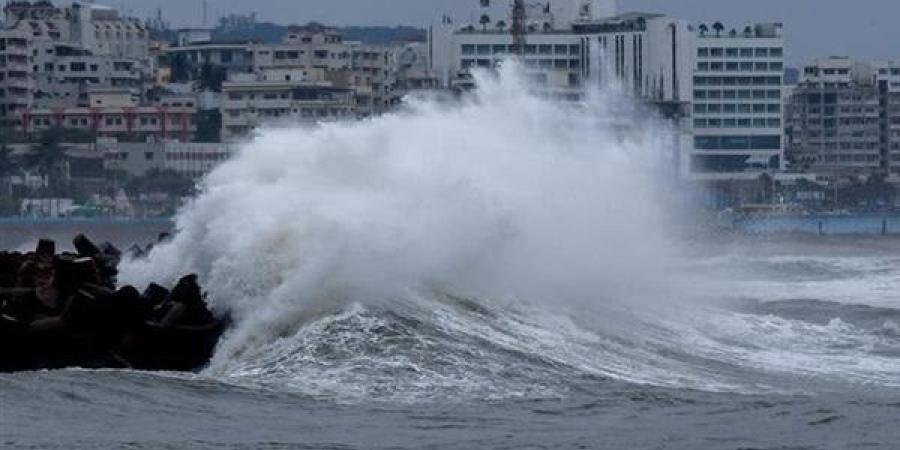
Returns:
(737,102)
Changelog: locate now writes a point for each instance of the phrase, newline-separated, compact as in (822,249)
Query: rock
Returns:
(46,247)
(65,310)
(85,247)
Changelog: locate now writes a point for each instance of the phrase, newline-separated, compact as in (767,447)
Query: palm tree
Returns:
(732,33)
(485,20)
(501,25)
(748,31)
(718,27)
(703,29)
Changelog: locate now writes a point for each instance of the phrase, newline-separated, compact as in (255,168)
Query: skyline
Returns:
(861,30)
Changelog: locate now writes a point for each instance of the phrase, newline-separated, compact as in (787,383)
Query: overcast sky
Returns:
(814,28)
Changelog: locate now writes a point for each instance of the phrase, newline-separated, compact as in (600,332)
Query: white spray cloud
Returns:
(506,194)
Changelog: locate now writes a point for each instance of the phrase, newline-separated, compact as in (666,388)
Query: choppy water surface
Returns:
(493,274)
(790,361)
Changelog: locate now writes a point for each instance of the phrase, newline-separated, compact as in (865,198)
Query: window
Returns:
(746,67)
(729,94)
(762,67)
(776,52)
(560,49)
(483,49)
(706,142)
(703,66)
(731,52)
(735,142)
(731,67)
(545,49)
(777,66)
(716,67)
(729,108)
(762,52)
(699,94)
(703,52)
(715,94)
(468,49)
(774,108)
(716,52)
(759,108)
(700,108)
(765,142)
(746,52)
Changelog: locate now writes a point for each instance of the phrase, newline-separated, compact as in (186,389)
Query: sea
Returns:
(505,272)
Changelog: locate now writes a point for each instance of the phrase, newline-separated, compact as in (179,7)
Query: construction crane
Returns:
(518,28)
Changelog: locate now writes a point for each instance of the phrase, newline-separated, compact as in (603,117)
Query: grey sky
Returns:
(814,28)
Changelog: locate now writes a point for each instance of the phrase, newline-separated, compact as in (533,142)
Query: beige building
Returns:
(249,102)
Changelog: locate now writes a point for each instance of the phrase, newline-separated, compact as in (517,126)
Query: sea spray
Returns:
(504,194)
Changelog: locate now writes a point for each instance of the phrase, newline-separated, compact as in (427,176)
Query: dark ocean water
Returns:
(795,345)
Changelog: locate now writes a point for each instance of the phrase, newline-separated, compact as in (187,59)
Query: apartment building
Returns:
(835,121)
(59,53)
(888,80)
(283,96)
(320,51)
(16,83)
(116,114)
(845,119)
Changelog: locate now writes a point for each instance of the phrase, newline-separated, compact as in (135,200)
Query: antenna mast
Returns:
(518,27)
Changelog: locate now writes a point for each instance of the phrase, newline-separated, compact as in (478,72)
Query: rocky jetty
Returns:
(65,310)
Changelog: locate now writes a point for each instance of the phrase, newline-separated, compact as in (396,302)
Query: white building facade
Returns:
(737,102)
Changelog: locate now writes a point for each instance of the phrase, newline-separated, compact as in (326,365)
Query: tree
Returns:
(180,67)
(484,21)
(703,29)
(8,168)
(212,77)
(748,31)
(48,158)
(209,126)
(501,25)
(718,27)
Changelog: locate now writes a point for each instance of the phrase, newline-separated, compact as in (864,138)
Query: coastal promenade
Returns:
(822,224)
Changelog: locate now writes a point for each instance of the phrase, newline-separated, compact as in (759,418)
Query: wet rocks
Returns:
(62,310)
